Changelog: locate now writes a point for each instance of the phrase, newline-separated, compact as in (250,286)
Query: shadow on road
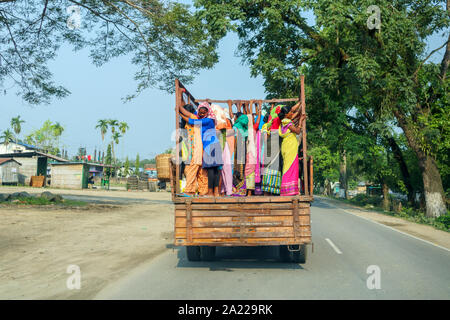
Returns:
(321,204)
(229,258)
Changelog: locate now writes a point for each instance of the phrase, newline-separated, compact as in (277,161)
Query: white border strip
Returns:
(333,246)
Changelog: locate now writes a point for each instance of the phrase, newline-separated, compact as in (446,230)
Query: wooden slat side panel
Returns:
(254,213)
(248,242)
(261,221)
(250,199)
(240,224)
(263,207)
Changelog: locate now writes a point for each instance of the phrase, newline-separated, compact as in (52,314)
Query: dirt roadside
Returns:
(425,232)
(104,240)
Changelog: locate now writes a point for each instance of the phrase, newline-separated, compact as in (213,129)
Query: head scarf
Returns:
(242,125)
(220,116)
(274,114)
(206,105)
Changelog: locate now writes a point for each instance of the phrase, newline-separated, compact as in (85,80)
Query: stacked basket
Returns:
(163,166)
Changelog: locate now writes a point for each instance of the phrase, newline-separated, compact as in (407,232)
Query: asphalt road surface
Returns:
(353,258)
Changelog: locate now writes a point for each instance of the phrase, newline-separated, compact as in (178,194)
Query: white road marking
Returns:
(333,246)
(407,234)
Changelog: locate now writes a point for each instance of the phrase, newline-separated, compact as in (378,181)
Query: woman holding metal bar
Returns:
(212,152)
(289,151)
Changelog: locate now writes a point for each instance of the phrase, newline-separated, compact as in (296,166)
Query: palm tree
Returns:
(103,126)
(16,125)
(113,123)
(115,139)
(58,129)
(123,127)
(7,136)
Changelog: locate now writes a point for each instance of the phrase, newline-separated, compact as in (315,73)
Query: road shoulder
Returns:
(421,231)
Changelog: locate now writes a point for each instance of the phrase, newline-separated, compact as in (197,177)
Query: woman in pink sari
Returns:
(289,151)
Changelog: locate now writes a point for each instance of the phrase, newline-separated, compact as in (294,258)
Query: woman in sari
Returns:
(272,159)
(289,151)
(212,152)
(241,129)
(251,156)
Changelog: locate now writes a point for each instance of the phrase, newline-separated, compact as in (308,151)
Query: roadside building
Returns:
(150,170)
(75,175)
(14,147)
(9,171)
(33,163)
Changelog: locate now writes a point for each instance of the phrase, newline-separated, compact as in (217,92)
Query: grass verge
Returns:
(373,204)
(42,201)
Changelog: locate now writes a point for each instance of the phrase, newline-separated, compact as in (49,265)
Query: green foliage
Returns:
(108,160)
(7,136)
(364,200)
(47,137)
(16,124)
(361,83)
(164,39)
(326,164)
(137,165)
(43,201)
(126,169)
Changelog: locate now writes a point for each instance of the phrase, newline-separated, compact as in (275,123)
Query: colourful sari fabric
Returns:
(227,173)
(194,143)
(272,171)
(250,162)
(241,124)
(258,157)
(239,187)
(289,152)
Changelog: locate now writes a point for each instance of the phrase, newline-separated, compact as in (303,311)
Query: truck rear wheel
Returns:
(193,253)
(208,253)
(300,256)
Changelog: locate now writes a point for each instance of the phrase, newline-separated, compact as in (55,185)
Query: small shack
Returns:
(9,171)
(75,175)
(69,175)
(33,163)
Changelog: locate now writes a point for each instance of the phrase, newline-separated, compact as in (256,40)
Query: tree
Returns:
(7,136)
(115,139)
(113,124)
(163,38)
(16,124)
(351,64)
(108,161)
(123,127)
(126,169)
(137,165)
(102,125)
(47,137)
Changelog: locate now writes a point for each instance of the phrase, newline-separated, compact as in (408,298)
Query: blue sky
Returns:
(96,93)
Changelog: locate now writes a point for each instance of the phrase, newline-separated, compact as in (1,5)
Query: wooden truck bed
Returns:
(247,221)
(204,223)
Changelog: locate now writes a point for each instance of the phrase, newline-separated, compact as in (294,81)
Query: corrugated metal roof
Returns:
(4,160)
(29,154)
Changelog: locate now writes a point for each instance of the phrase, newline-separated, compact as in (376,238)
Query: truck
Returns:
(204,223)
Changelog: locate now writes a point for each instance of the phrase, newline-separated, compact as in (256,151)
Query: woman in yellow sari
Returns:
(289,151)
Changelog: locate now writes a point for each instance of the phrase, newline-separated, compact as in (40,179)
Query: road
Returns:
(345,246)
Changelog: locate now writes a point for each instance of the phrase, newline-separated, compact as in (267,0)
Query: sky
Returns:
(97,92)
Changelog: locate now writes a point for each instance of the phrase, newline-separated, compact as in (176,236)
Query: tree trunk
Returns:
(386,203)
(398,155)
(432,182)
(433,189)
(343,174)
